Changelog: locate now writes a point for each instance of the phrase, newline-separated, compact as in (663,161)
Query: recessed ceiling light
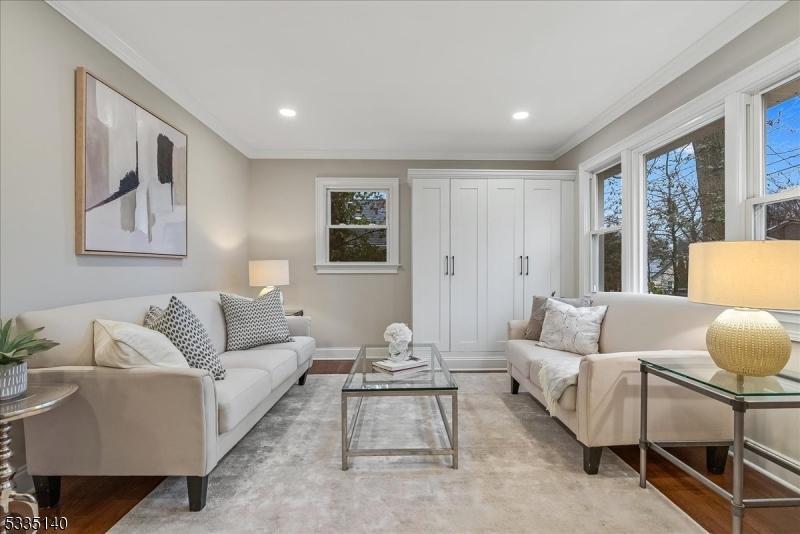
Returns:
(520,115)
(287,112)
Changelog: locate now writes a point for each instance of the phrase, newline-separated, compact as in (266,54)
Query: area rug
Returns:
(519,471)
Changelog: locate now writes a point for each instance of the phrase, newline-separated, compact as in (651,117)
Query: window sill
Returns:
(356,268)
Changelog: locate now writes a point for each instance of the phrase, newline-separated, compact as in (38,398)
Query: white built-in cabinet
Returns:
(483,244)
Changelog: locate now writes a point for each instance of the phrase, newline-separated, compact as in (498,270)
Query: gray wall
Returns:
(39,51)
(348,309)
(774,31)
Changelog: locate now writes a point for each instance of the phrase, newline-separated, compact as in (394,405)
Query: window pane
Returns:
(783,220)
(782,137)
(358,207)
(685,204)
(609,196)
(610,262)
(357,245)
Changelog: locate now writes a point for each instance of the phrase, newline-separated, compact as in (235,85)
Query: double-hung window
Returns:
(685,203)
(606,217)
(357,220)
(775,203)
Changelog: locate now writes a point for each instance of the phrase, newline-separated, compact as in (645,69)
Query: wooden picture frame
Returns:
(119,141)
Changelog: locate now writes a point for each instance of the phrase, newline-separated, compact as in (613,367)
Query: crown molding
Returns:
(114,44)
(747,16)
(734,25)
(400,155)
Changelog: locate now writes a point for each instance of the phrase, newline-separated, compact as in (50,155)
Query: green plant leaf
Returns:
(4,332)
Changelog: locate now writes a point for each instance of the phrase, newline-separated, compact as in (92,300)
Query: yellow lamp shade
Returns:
(265,273)
(746,274)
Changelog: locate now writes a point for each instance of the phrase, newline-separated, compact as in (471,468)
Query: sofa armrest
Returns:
(516,329)
(609,402)
(299,325)
(141,421)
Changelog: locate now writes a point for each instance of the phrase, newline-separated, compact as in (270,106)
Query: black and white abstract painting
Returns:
(133,178)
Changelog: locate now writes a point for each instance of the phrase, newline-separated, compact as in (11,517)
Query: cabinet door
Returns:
(468,265)
(430,262)
(542,240)
(505,275)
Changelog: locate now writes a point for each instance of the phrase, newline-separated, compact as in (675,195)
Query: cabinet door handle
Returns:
(446,266)
(520,265)
(527,265)
(452,265)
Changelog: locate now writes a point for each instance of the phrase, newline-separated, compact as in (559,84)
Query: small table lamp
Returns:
(269,274)
(748,275)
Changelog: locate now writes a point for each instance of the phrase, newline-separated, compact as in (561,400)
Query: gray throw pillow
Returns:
(187,333)
(153,315)
(254,322)
(534,329)
(572,329)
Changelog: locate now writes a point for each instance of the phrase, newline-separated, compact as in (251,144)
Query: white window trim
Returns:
(732,99)
(323,188)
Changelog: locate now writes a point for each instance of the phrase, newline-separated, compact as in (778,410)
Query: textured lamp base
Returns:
(748,342)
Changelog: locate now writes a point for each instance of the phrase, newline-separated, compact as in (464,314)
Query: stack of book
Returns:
(403,368)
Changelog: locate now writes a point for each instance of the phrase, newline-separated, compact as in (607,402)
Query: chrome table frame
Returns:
(349,427)
(740,404)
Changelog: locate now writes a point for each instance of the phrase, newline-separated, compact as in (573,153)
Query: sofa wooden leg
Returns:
(48,490)
(514,386)
(591,459)
(716,458)
(198,488)
(302,380)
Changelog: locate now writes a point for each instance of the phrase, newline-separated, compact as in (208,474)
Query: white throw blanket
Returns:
(556,376)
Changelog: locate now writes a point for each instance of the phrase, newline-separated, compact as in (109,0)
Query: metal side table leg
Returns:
(737,506)
(643,430)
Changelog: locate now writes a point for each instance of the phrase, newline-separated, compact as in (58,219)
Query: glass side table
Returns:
(741,393)
(38,399)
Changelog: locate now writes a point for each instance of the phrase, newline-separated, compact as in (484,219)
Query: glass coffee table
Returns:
(741,393)
(433,380)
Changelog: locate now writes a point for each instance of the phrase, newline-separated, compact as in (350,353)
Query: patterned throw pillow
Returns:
(534,329)
(254,322)
(153,315)
(572,329)
(187,333)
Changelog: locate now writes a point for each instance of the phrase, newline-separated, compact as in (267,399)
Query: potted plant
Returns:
(13,353)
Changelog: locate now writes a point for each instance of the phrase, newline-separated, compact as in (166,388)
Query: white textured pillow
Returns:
(571,329)
(126,345)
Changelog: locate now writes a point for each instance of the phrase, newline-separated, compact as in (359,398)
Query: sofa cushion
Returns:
(527,357)
(238,395)
(636,322)
(303,346)
(278,363)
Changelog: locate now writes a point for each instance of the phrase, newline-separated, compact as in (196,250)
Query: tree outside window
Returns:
(685,204)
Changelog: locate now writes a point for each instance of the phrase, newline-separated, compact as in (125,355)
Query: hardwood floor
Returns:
(94,504)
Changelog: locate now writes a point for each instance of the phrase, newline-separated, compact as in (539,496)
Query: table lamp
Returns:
(751,276)
(269,274)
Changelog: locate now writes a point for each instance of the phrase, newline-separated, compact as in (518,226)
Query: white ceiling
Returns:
(428,80)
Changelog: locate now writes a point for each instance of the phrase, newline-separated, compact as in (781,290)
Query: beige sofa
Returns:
(603,408)
(150,421)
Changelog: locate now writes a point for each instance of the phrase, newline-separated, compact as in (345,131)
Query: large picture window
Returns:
(685,200)
(357,225)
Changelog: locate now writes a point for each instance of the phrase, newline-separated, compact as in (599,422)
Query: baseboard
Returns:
(462,361)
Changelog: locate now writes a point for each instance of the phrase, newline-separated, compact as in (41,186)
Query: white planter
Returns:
(13,380)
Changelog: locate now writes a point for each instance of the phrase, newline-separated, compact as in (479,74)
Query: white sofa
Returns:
(603,409)
(150,421)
